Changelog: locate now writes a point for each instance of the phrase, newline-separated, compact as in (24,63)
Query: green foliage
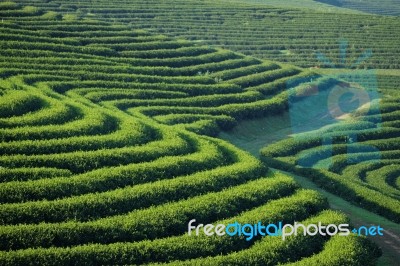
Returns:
(354,250)
(181,247)
(30,10)
(275,250)
(103,153)
(362,171)
(274,30)
(139,225)
(51,15)
(17,103)
(7,5)
(385,7)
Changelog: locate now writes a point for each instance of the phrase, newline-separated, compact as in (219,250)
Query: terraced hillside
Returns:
(105,155)
(279,33)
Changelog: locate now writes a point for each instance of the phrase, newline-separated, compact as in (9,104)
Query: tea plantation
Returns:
(109,117)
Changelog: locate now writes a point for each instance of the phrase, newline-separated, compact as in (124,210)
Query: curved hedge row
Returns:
(276,251)
(297,206)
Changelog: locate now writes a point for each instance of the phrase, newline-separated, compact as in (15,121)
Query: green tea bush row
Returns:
(197,101)
(83,161)
(95,50)
(338,184)
(354,250)
(155,222)
(25,174)
(96,205)
(294,207)
(98,95)
(205,156)
(359,171)
(129,133)
(281,84)
(240,111)
(382,179)
(51,112)
(272,250)
(223,121)
(18,103)
(264,77)
(92,123)
(230,74)
(168,53)
(189,89)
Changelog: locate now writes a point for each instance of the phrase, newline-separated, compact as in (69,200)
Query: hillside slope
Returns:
(105,158)
(277,33)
